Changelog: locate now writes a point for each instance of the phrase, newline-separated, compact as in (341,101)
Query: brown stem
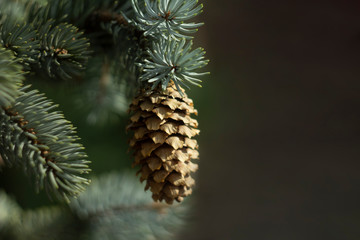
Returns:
(107,16)
(161,208)
(104,80)
(2,163)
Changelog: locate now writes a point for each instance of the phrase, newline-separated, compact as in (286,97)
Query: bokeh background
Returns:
(279,118)
(280,122)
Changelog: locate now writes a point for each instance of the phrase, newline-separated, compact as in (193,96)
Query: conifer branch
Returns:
(149,46)
(10,212)
(44,144)
(108,16)
(161,208)
(167,17)
(11,78)
(35,224)
(103,98)
(115,202)
(173,60)
(64,50)
(22,40)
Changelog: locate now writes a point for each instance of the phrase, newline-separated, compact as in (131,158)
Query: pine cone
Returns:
(162,142)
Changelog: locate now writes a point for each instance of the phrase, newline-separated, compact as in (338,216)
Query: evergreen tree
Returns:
(116,52)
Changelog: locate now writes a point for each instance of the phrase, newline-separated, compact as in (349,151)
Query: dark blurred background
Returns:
(279,119)
(280,122)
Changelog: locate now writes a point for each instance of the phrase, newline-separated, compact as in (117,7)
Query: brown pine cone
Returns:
(162,142)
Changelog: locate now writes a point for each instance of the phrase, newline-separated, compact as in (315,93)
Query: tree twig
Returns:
(107,16)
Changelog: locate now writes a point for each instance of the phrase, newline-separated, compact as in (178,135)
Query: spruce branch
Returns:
(116,207)
(167,17)
(130,43)
(109,16)
(9,213)
(43,223)
(143,43)
(40,13)
(173,60)
(35,224)
(103,97)
(75,12)
(14,10)
(22,40)
(108,192)
(64,50)
(44,144)
(11,78)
